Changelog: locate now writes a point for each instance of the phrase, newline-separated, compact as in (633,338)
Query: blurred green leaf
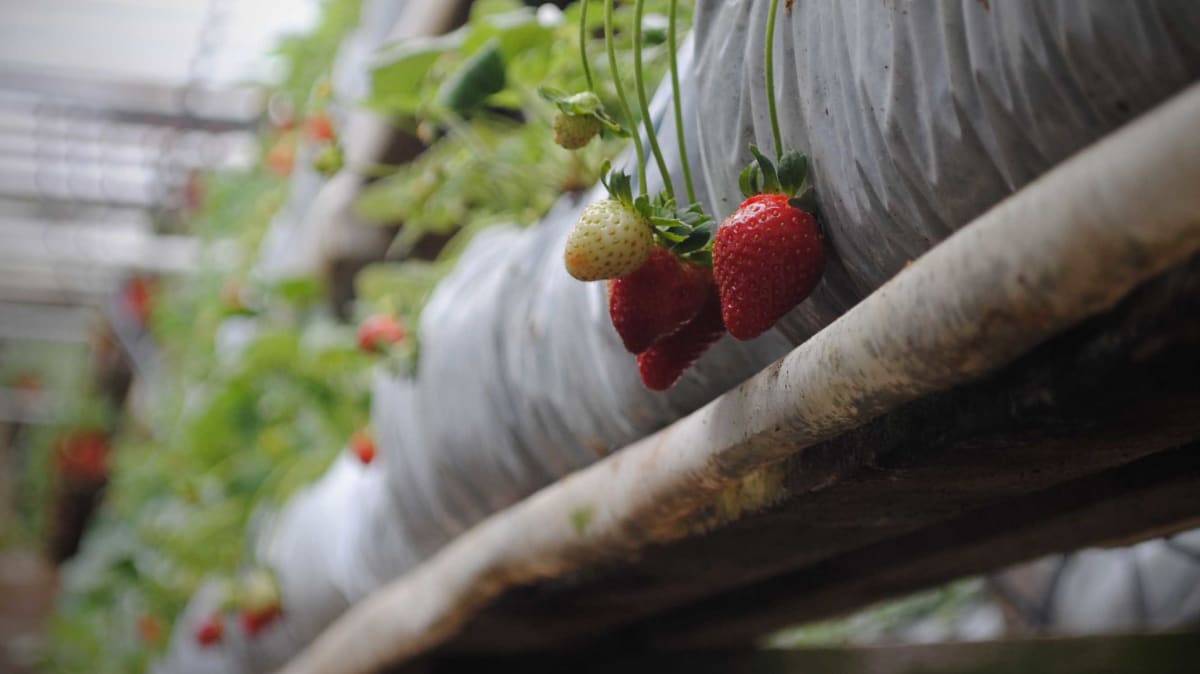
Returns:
(480,76)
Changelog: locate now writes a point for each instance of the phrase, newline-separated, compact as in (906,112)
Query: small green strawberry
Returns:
(379,332)
(574,131)
(580,118)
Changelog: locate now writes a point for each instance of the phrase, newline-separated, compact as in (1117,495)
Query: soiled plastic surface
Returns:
(917,118)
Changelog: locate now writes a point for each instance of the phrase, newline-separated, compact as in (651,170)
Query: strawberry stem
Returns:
(640,81)
(616,75)
(587,70)
(683,157)
(770,65)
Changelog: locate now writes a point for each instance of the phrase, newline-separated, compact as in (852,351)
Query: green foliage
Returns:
(309,56)
(53,377)
(236,425)
(480,76)
(492,157)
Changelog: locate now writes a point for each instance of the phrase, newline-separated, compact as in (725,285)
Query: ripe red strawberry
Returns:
(379,332)
(769,255)
(211,631)
(83,456)
(319,127)
(254,622)
(363,446)
(657,299)
(665,362)
(138,297)
(609,240)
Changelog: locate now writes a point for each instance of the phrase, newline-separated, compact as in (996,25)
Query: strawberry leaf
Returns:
(770,178)
(697,240)
(480,76)
(747,181)
(619,185)
(671,237)
(555,96)
(684,231)
(642,205)
(611,125)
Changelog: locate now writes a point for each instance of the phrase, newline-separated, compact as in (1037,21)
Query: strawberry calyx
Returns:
(685,231)
(789,178)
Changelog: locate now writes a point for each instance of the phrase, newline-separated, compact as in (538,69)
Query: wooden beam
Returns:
(1156,496)
(1102,397)
(1167,653)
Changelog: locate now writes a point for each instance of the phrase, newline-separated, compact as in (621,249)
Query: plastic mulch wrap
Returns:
(917,117)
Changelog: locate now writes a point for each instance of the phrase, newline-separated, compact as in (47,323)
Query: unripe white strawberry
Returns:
(610,240)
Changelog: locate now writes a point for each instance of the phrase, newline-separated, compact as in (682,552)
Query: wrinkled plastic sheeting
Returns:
(917,117)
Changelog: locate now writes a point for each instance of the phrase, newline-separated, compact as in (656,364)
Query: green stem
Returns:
(770,63)
(683,156)
(587,70)
(616,75)
(640,80)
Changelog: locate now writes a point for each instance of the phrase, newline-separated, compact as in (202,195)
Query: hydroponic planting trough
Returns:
(1026,386)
